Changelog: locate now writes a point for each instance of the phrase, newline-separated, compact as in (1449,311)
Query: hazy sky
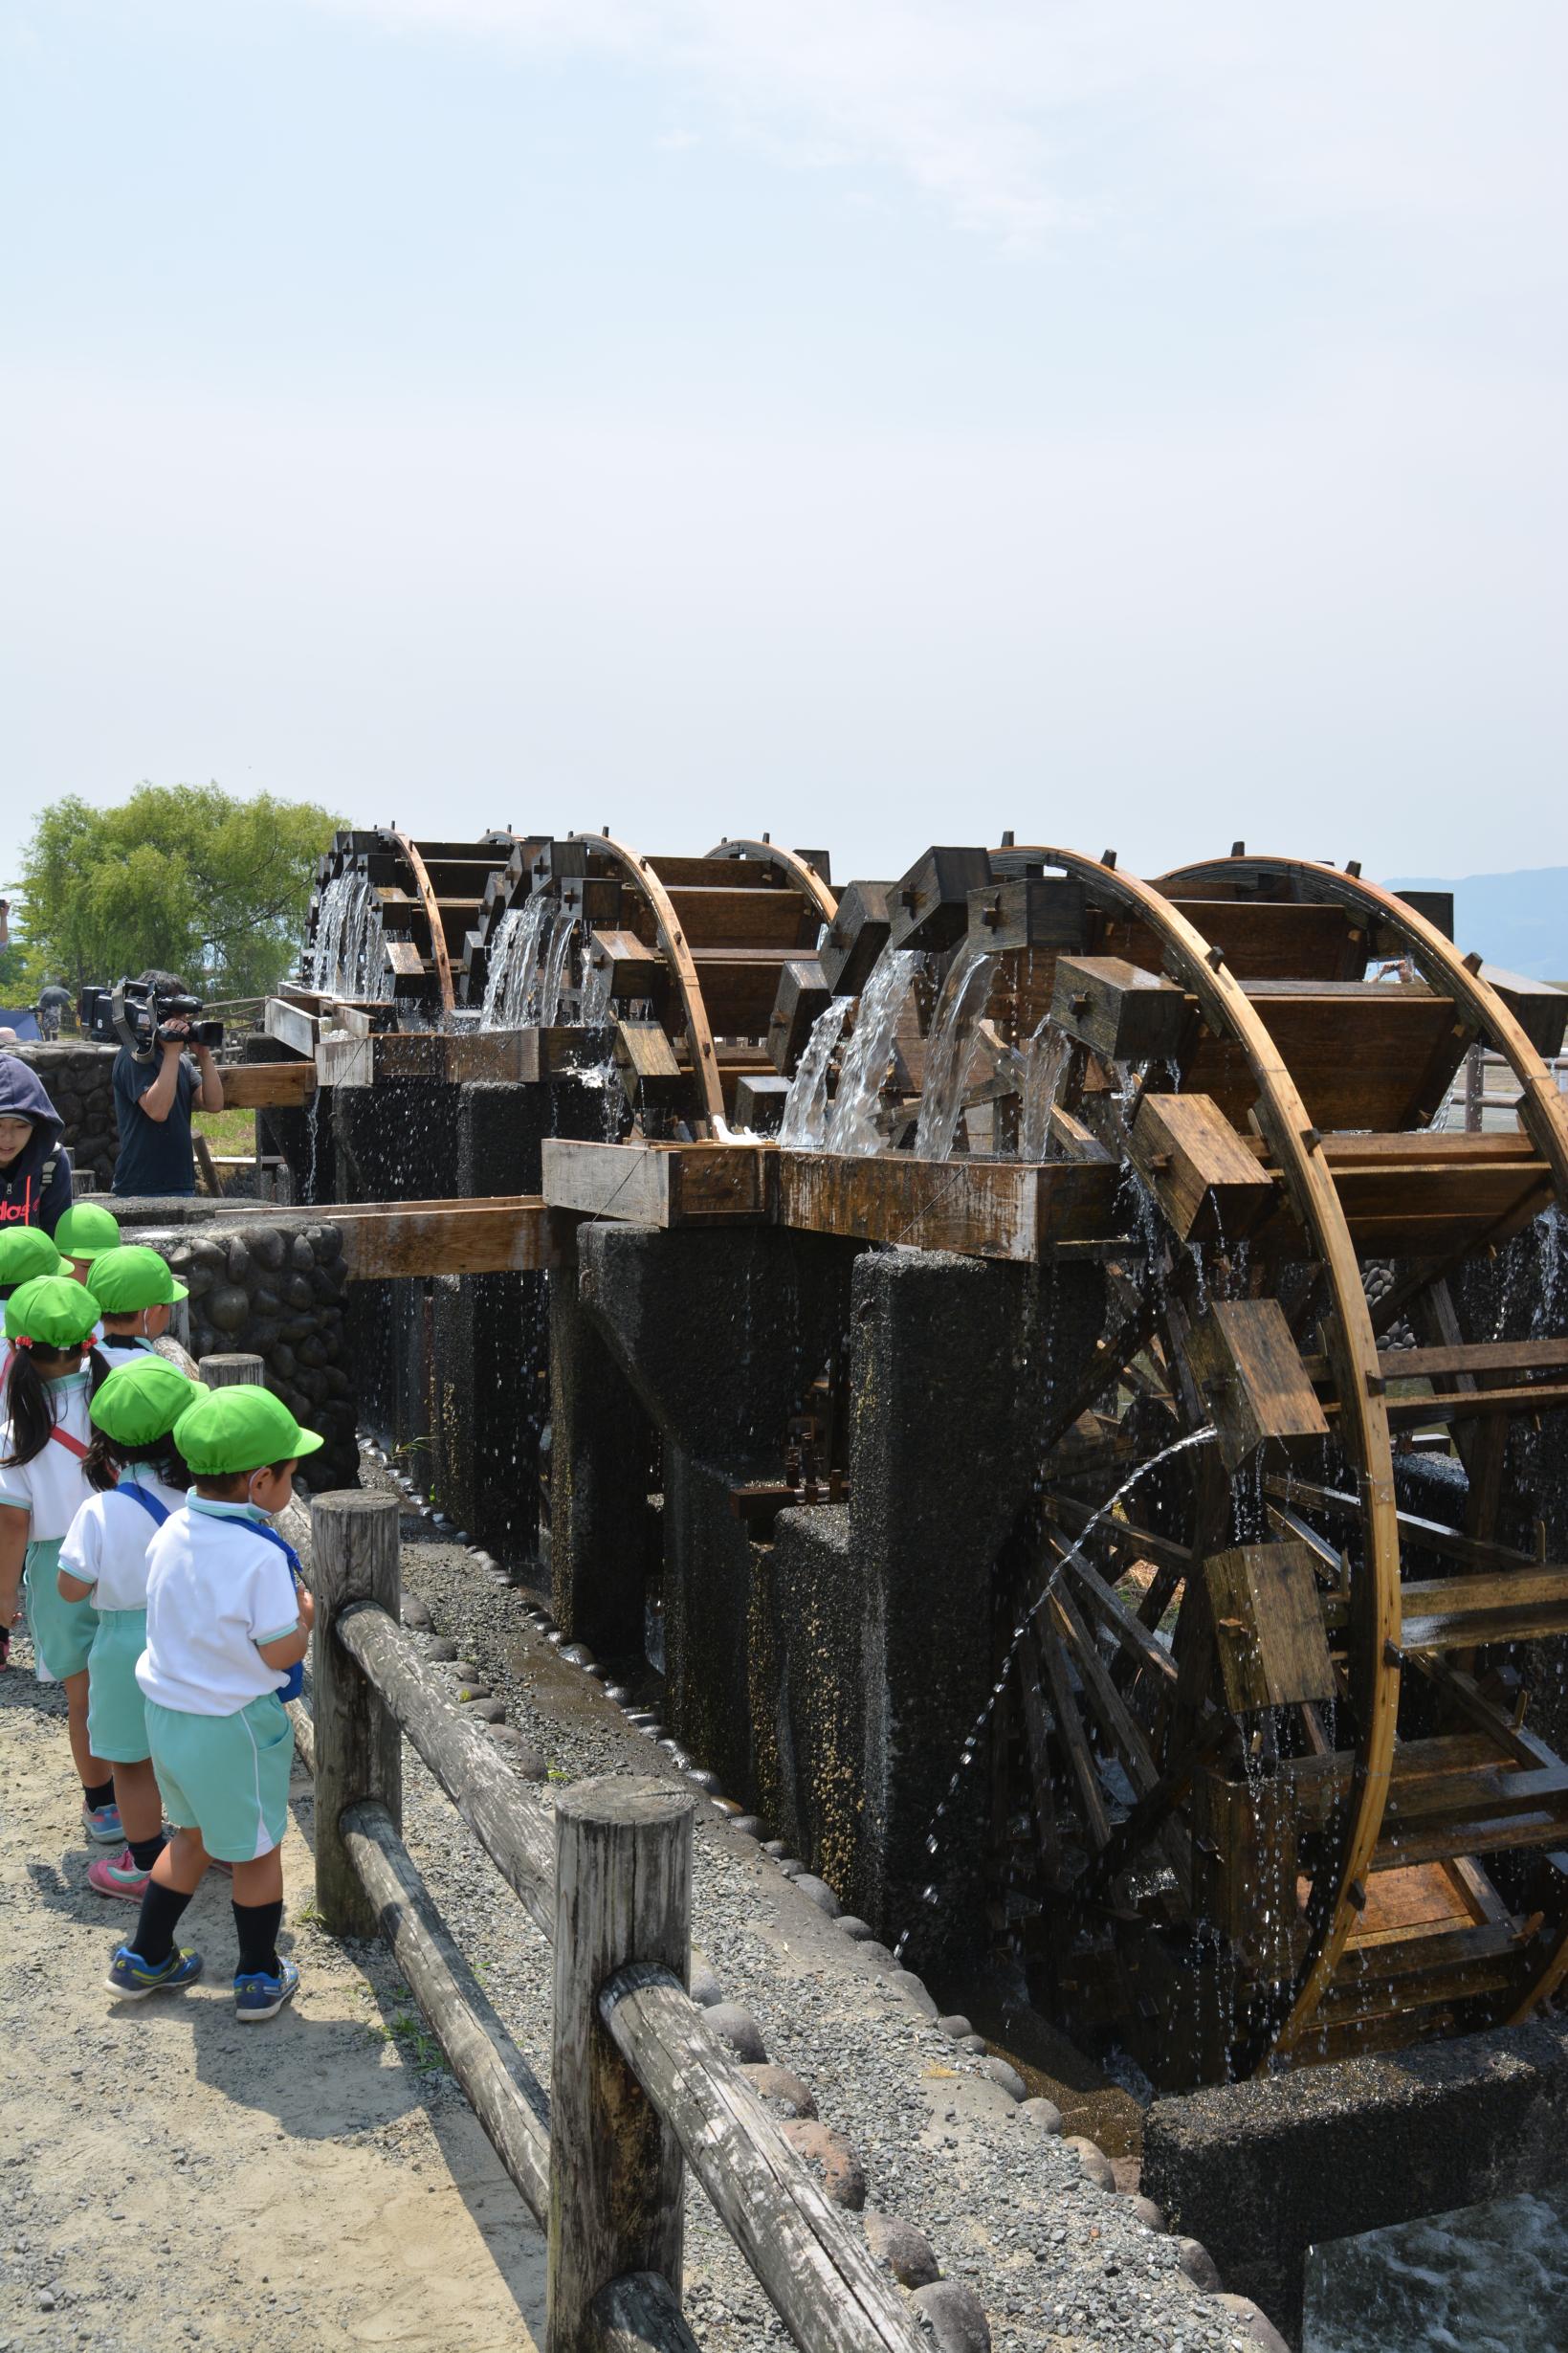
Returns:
(876,420)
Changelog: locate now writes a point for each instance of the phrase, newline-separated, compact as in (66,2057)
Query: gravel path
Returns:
(171,2179)
(1055,2260)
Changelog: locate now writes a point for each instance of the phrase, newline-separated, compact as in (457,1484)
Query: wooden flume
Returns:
(1267,1717)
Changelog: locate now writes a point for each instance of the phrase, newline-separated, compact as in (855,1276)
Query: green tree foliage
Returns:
(183,876)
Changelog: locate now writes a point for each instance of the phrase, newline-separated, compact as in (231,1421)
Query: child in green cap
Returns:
(43,1482)
(85,1232)
(25,1251)
(224,1624)
(135,1293)
(139,1480)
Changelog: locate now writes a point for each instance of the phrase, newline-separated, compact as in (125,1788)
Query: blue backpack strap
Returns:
(157,1512)
(295,1680)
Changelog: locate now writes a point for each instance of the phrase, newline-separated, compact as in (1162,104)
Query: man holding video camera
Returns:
(155,1087)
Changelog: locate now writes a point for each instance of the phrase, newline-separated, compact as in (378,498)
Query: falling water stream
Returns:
(931,1895)
(851,1123)
(347,959)
(1045,1065)
(961,1006)
(805,1123)
(512,967)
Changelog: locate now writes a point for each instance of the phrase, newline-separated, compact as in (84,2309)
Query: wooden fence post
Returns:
(623,1893)
(233,1371)
(359,1748)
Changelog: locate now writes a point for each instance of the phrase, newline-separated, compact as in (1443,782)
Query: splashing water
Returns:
(961,1006)
(804,1127)
(595,999)
(347,959)
(555,988)
(977,1731)
(511,969)
(851,1123)
(1045,1065)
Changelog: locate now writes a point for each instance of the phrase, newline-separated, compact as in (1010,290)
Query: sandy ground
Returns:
(168,2177)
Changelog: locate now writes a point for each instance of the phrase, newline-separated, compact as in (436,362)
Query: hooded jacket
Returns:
(30,1193)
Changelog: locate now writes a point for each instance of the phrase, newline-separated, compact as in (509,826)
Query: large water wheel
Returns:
(1281,1634)
(390,916)
(678,963)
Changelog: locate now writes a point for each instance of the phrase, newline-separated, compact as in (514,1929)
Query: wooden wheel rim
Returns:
(683,970)
(1353,1350)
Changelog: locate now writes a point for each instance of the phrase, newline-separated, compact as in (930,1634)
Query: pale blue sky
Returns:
(1127,422)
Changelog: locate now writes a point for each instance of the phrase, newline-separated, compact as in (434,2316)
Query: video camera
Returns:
(133,1013)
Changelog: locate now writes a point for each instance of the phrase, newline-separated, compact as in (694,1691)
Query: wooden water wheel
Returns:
(683,963)
(1282,1635)
(390,916)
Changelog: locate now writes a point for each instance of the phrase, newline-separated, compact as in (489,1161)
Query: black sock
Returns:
(256,1926)
(101,1794)
(161,1910)
(144,1851)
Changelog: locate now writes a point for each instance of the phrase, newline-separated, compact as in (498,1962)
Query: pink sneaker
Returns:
(118,1876)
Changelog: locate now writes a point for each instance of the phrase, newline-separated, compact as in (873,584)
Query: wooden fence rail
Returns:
(641,2086)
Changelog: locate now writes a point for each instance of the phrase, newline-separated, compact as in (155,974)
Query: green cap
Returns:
(54,1310)
(143,1401)
(26,1251)
(132,1278)
(86,1230)
(240,1429)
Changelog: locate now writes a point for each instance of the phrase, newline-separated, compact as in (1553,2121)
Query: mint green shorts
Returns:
(117,1714)
(62,1630)
(226,1776)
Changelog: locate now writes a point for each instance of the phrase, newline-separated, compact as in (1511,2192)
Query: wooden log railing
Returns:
(641,2086)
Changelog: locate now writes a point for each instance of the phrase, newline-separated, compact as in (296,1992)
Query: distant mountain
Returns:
(1517,920)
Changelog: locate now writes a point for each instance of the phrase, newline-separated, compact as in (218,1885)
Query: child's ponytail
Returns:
(30,1408)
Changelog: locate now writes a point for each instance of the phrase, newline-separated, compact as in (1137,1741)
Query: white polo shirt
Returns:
(52,1487)
(216,1588)
(124,1352)
(107,1544)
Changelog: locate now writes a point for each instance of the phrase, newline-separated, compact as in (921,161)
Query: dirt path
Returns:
(168,2178)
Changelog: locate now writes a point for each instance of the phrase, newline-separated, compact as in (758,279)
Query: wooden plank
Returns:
(344,1062)
(1362,1057)
(712,915)
(1208,1184)
(1119,1011)
(451,1237)
(1453,1613)
(291,1026)
(1245,1364)
(511,1827)
(1422,1412)
(928,907)
(633,966)
(1480,1356)
(808,2256)
(1268,1626)
(500,2086)
(642,1184)
(267,1086)
(646,1060)
(1039,911)
(622,1894)
(803,994)
(855,938)
(486,1057)
(986,1209)
(1260,939)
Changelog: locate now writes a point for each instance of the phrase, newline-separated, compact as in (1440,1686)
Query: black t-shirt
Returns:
(155,1155)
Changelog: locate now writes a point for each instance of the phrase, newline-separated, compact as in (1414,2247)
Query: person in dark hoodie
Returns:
(35,1164)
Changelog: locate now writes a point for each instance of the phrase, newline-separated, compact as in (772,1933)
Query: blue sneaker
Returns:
(133,1978)
(258,1996)
(103,1826)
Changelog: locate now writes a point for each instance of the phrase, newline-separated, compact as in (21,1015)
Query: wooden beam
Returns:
(988,1208)
(639,1184)
(294,1026)
(267,1086)
(449,1238)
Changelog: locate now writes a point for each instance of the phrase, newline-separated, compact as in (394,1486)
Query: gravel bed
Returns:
(1055,2260)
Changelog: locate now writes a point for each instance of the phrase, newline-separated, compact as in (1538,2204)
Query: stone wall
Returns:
(276,1291)
(79,1080)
